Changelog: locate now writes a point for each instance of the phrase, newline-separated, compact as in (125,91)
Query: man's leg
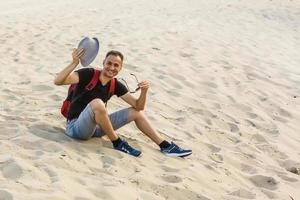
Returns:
(84,126)
(118,119)
(103,121)
(127,115)
(144,125)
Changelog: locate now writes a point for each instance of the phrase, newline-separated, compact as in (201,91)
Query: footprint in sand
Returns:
(271,150)
(242,193)
(9,131)
(233,128)
(258,138)
(291,166)
(41,88)
(252,115)
(251,123)
(280,119)
(11,170)
(4,195)
(210,84)
(213,148)
(101,193)
(287,178)
(172,178)
(217,106)
(284,113)
(231,99)
(208,121)
(107,161)
(31,49)
(243,107)
(270,194)
(169,169)
(248,169)
(185,55)
(216,157)
(39,153)
(264,182)
(52,174)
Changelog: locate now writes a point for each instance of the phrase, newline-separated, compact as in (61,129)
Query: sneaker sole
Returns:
(179,154)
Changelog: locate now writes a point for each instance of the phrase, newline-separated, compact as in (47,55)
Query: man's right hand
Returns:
(77,53)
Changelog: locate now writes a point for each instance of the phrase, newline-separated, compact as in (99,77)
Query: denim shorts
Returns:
(85,127)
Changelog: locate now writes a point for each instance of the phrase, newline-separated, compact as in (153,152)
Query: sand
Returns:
(225,81)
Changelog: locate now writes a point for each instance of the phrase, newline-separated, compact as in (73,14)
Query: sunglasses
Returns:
(137,89)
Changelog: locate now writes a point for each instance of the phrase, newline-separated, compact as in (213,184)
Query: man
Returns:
(88,116)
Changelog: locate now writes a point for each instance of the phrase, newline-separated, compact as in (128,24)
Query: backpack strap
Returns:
(111,91)
(71,89)
(93,81)
(112,87)
(91,84)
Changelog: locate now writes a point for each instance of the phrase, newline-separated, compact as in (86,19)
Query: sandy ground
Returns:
(225,81)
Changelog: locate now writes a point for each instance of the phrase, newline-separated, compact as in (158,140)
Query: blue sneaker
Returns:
(175,151)
(126,148)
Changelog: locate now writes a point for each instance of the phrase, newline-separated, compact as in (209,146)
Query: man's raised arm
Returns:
(67,76)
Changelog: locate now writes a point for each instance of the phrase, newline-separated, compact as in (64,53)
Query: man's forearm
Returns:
(61,77)
(141,101)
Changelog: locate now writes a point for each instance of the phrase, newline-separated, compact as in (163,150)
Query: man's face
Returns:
(111,66)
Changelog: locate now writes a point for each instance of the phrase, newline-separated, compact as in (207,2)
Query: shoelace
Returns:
(174,147)
(170,149)
(127,148)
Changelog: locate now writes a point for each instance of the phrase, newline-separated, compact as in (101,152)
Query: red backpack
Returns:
(68,101)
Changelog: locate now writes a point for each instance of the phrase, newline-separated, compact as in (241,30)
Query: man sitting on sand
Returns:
(88,116)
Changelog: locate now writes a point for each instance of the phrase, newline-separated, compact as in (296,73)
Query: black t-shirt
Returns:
(99,91)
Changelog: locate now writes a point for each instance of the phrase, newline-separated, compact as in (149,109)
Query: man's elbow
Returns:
(56,82)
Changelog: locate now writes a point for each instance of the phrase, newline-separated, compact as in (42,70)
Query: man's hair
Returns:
(115,53)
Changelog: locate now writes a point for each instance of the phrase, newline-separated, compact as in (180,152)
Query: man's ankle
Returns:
(116,142)
(164,144)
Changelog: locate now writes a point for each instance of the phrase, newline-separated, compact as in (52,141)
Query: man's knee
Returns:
(137,114)
(98,105)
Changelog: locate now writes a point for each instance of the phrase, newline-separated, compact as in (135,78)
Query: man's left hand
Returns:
(144,85)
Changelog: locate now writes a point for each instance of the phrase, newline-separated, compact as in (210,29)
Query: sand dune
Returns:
(225,81)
